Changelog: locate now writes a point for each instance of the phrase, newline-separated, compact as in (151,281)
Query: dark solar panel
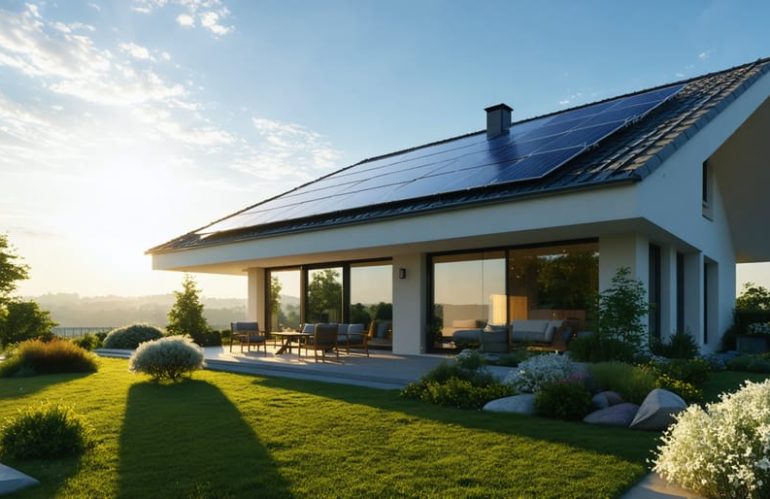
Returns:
(530,150)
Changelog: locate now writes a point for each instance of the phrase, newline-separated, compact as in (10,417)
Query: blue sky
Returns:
(124,124)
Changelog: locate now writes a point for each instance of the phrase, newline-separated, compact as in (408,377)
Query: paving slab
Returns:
(654,487)
(12,480)
(383,370)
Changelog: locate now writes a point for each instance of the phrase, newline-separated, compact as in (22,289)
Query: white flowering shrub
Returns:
(167,358)
(721,451)
(536,372)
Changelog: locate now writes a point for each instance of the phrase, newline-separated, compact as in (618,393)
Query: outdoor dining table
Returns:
(286,340)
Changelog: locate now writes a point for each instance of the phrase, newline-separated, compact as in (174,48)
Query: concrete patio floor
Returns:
(382,369)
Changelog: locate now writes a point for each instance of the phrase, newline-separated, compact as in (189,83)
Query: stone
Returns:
(600,401)
(517,404)
(613,398)
(12,480)
(658,410)
(615,415)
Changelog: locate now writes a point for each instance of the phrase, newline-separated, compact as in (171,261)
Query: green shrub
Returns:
(511,359)
(38,357)
(88,342)
(469,359)
(129,337)
(680,345)
(24,320)
(570,401)
(749,363)
(210,338)
(693,371)
(633,383)
(47,431)
(167,358)
(456,392)
(689,392)
(620,308)
(597,348)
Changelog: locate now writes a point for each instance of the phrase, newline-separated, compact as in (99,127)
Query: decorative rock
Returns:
(600,401)
(517,404)
(613,398)
(658,410)
(616,415)
(12,480)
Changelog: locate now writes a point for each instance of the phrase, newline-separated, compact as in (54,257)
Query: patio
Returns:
(383,370)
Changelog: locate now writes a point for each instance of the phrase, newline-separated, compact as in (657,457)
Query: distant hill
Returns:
(73,310)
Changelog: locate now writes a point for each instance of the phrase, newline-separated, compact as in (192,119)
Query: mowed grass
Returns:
(231,435)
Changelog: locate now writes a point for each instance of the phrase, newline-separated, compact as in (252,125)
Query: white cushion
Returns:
(342,328)
(308,328)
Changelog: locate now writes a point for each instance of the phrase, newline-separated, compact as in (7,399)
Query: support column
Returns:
(693,295)
(255,302)
(409,303)
(668,286)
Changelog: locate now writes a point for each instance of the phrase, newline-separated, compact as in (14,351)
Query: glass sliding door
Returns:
(371,300)
(284,307)
(468,293)
(324,295)
(553,282)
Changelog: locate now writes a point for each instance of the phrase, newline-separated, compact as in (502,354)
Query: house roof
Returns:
(626,155)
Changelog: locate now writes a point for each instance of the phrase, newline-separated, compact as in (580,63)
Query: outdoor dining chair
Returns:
(324,339)
(248,333)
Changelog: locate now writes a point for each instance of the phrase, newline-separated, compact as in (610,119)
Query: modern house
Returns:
(521,220)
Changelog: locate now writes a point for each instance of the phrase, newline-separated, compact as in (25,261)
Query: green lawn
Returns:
(230,435)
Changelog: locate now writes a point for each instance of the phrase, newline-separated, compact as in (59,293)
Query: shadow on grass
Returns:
(623,443)
(188,440)
(18,387)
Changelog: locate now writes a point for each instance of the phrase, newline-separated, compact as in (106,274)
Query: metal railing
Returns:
(74,332)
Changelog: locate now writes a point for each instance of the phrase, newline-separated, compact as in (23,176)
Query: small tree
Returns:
(753,299)
(19,320)
(620,308)
(10,271)
(24,320)
(186,316)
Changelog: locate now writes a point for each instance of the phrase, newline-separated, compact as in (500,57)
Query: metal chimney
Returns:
(498,119)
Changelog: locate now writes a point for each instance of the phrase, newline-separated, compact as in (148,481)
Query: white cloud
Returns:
(286,151)
(95,6)
(71,64)
(704,55)
(136,51)
(209,14)
(210,21)
(185,20)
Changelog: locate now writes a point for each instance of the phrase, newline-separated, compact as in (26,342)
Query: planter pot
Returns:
(753,344)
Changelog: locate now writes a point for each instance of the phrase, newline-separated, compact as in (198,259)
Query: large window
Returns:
(371,293)
(468,292)
(553,282)
(471,290)
(324,295)
(284,299)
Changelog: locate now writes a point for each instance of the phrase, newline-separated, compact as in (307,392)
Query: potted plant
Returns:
(756,339)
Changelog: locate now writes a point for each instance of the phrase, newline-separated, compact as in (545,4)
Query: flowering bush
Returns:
(534,373)
(759,328)
(721,451)
(169,357)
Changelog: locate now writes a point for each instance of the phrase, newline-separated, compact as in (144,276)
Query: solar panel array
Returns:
(530,150)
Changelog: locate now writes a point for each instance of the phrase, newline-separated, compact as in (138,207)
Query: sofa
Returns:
(551,334)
